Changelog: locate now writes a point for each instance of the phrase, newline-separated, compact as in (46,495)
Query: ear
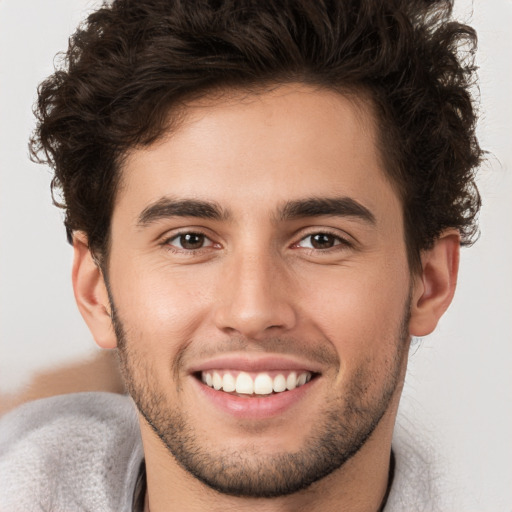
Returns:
(91,293)
(434,288)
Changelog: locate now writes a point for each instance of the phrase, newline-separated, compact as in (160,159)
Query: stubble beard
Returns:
(343,427)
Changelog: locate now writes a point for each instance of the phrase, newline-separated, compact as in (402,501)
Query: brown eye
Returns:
(190,241)
(322,241)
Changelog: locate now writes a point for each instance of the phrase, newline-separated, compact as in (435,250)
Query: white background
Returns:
(458,390)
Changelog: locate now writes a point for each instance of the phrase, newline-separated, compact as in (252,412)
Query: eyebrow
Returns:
(334,206)
(168,207)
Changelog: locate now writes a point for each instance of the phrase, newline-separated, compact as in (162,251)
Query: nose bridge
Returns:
(255,297)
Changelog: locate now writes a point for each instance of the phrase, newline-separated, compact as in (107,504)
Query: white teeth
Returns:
(244,384)
(228,383)
(291,381)
(217,381)
(279,383)
(262,384)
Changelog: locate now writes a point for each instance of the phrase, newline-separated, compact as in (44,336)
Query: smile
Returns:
(255,387)
(251,383)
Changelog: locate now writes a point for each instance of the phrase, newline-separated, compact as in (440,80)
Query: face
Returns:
(260,289)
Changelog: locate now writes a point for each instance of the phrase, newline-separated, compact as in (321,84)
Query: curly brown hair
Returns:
(134,62)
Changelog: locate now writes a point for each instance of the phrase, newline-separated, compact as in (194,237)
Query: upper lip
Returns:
(255,363)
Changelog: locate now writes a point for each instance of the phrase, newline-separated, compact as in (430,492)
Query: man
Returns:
(266,202)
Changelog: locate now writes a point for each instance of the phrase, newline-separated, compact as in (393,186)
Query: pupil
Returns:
(322,241)
(192,241)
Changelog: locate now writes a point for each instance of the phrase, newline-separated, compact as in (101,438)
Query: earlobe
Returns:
(434,288)
(91,293)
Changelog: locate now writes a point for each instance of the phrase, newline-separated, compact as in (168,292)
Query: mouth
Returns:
(255,387)
(254,384)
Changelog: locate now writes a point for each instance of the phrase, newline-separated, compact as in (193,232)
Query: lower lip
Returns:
(253,407)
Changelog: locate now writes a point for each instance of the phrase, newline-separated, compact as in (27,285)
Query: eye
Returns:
(321,241)
(190,241)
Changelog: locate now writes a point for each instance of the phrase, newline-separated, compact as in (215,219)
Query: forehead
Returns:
(253,151)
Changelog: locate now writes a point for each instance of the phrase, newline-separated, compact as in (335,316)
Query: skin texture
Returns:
(257,286)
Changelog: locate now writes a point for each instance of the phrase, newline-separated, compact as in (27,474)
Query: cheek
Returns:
(359,311)
(161,308)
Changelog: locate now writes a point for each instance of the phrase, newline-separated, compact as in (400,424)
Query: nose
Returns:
(255,298)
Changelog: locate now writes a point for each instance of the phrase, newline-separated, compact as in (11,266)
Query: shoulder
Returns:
(415,484)
(79,451)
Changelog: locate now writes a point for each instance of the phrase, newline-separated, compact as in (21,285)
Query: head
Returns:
(274,189)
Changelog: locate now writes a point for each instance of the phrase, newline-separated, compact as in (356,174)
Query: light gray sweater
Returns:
(82,453)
